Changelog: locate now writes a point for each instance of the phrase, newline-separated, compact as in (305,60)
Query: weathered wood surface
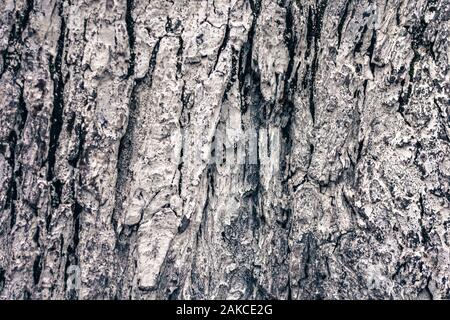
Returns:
(224,149)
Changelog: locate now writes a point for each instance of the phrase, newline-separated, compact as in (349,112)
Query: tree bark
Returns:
(224,149)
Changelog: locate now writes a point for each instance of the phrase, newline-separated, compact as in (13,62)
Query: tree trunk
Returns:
(224,149)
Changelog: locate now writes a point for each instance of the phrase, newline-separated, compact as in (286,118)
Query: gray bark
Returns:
(224,149)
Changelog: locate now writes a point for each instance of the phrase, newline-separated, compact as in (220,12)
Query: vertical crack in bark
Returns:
(75,157)
(131,36)
(180,57)
(11,194)
(184,118)
(360,42)
(223,44)
(290,86)
(72,254)
(22,112)
(2,278)
(56,120)
(371,50)
(37,265)
(423,230)
(314,30)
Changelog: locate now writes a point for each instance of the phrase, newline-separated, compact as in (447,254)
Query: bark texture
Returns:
(224,149)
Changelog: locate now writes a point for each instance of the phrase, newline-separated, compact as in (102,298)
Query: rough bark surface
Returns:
(224,149)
